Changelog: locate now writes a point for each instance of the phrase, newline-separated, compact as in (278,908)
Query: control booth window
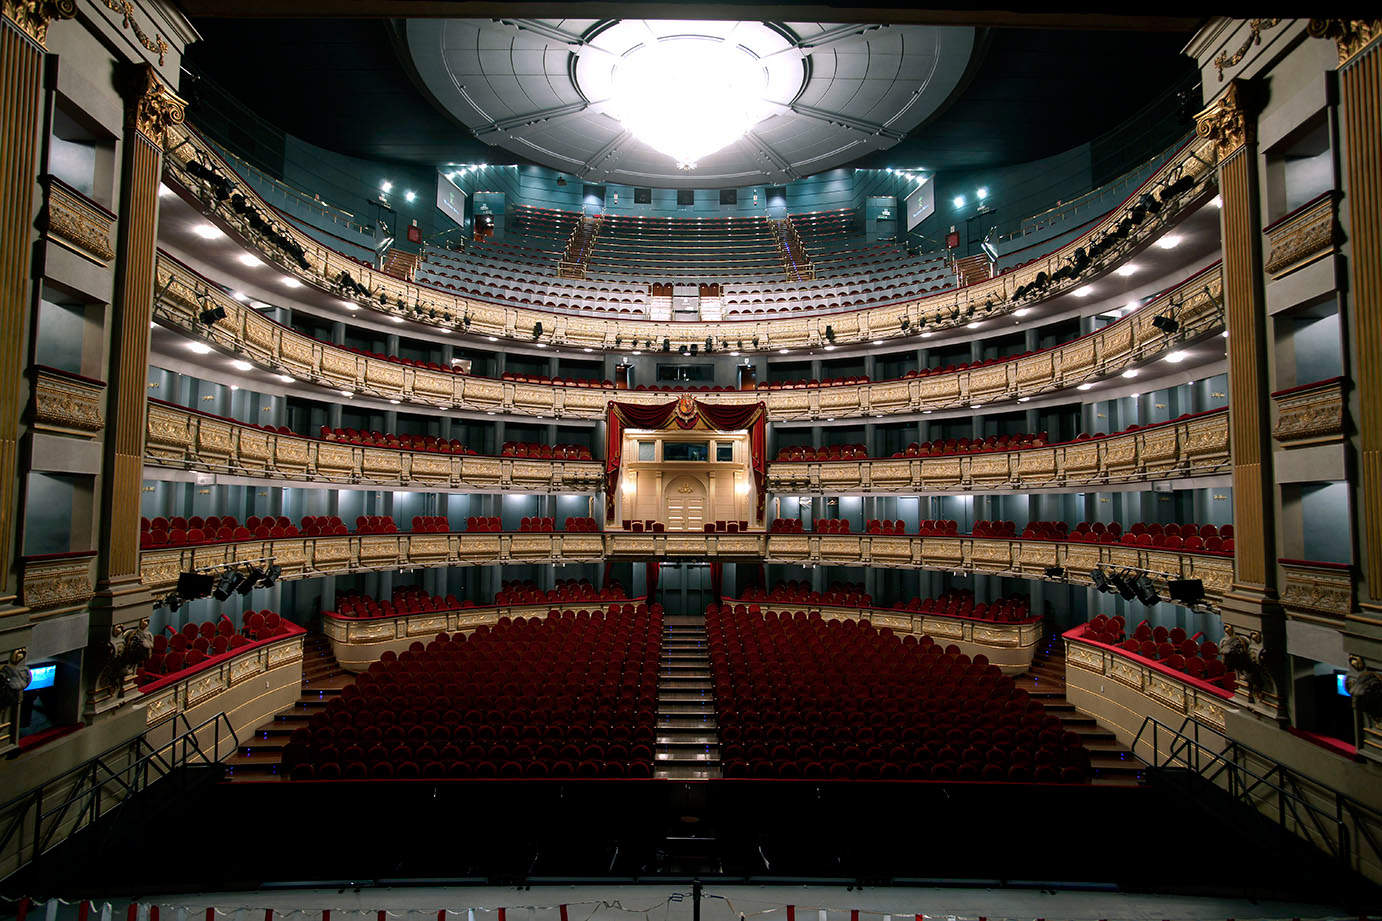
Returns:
(647,450)
(724,451)
(686,450)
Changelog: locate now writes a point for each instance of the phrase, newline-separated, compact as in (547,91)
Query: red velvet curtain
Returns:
(717,581)
(686,414)
(651,574)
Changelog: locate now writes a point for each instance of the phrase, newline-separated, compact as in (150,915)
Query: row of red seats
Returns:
(849,594)
(830,526)
(999,529)
(194,644)
(427,443)
(431,524)
(1190,655)
(376,524)
(638,527)
(813,382)
(699,388)
(400,360)
(1192,538)
(874,526)
(556,381)
(582,524)
(513,591)
(538,697)
(950,446)
(786,526)
(825,452)
(960,603)
(407,599)
(802,697)
(482,523)
(537,523)
(532,449)
(720,526)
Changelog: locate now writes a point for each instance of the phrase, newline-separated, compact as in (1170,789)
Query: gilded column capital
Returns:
(154,107)
(1227,122)
(32,16)
(1350,35)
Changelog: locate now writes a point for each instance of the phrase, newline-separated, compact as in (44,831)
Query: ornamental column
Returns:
(23,31)
(1250,609)
(121,599)
(1359,44)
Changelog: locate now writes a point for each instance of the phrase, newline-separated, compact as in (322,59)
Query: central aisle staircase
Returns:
(401,264)
(322,679)
(688,741)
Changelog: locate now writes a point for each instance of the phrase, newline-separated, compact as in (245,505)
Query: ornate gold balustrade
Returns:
(1306,235)
(304,557)
(184,439)
(940,311)
(67,403)
(1193,447)
(248,687)
(1119,690)
(182,295)
(1310,414)
(1317,591)
(57,582)
(356,642)
(75,222)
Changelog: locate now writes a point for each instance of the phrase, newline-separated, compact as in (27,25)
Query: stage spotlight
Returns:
(1146,591)
(271,575)
(666,344)
(173,601)
(1055,572)
(1166,323)
(211,314)
(1100,580)
(537,330)
(710,343)
(829,332)
(1186,591)
(250,580)
(195,584)
(226,584)
(1123,583)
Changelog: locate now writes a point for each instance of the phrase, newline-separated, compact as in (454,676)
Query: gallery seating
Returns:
(197,643)
(1171,647)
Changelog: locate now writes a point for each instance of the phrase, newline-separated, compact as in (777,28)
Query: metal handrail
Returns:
(80,796)
(1229,765)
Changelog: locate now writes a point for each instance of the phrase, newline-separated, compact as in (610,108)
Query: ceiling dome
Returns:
(674,103)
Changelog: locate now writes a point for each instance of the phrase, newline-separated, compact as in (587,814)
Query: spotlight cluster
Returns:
(232,580)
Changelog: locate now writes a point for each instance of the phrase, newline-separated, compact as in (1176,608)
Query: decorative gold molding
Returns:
(78,224)
(1326,590)
(1350,35)
(68,404)
(155,107)
(1302,238)
(32,16)
(1310,415)
(155,45)
(1255,28)
(57,583)
(1226,123)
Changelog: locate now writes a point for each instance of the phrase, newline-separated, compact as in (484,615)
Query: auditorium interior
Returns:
(688,462)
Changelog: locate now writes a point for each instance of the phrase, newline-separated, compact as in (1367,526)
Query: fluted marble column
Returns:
(121,600)
(1250,608)
(1359,44)
(23,30)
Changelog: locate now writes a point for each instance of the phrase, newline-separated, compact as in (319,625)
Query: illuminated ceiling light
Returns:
(492,338)
(982,193)
(783,351)
(976,405)
(386,186)
(689,96)
(972,325)
(734,354)
(1023,399)
(878,342)
(290,282)
(234,387)
(1022,311)
(396,319)
(830,348)
(1170,241)
(542,345)
(490,412)
(208,231)
(926,412)
(164,191)
(1176,358)
(393,402)
(640,352)
(239,365)
(201,348)
(239,296)
(587,350)
(959,201)
(288,379)
(1126,270)
(347,393)
(1086,291)
(1130,373)
(1132,305)
(410,195)
(260,305)
(1085,387)
(249,260)
(350,305)
(1224,334)
(926,335)
(1217,201)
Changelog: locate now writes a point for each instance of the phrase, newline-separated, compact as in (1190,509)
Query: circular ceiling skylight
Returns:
(689,96)
(688,103)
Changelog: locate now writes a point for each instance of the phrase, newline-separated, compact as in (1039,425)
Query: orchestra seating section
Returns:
(799,697)
(954,603)
(684,248)
(1190,655)
(555,452)
(492,272)
(195,644)
(570,696)
(372,439)
(412,599)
